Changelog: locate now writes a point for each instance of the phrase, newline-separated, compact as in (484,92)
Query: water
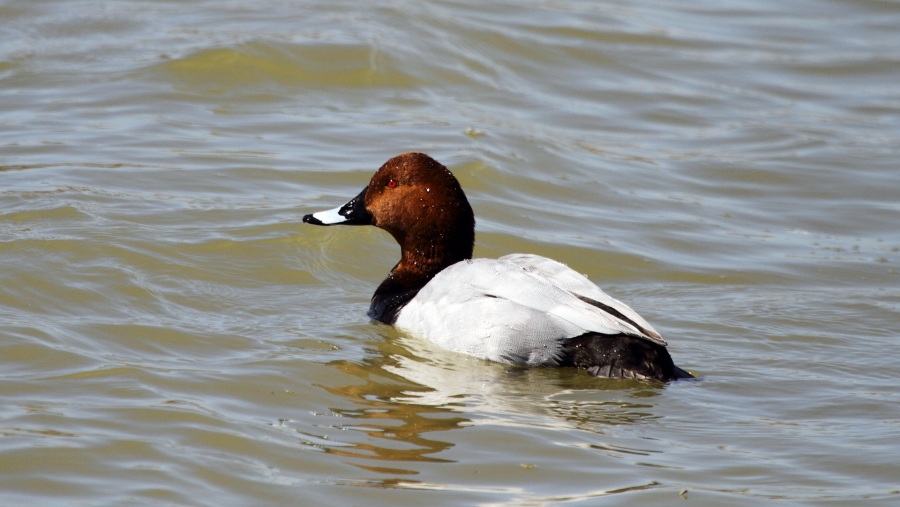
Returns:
(171,333)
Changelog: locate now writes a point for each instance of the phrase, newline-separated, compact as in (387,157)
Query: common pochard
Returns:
(518,309)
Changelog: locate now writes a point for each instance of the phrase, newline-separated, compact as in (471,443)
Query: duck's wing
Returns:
(500,310)
(571,281)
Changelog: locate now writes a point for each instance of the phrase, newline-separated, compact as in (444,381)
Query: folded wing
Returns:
(516,309)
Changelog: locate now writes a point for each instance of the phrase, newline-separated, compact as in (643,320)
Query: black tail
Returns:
(621,356)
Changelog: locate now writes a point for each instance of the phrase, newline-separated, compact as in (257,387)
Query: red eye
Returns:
(392,184)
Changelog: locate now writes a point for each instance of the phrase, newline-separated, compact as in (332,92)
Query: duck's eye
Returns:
(392,184)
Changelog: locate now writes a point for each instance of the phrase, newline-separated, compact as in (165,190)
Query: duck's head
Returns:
(421,204)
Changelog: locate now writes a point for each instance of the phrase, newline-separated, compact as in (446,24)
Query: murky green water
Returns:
(171,334)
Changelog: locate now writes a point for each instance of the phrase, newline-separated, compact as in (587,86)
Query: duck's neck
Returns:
(426,254)
(423,255)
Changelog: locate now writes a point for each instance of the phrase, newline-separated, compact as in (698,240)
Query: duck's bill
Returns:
(352,213)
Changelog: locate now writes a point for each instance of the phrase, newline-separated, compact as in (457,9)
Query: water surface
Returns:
(171,334)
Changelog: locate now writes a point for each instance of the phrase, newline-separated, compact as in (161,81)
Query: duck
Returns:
(519,309)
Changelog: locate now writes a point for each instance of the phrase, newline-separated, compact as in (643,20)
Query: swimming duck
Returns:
(519,309)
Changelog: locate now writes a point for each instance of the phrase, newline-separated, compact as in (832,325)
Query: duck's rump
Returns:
(620,356)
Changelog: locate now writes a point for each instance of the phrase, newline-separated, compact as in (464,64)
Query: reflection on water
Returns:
(398,427)
(413,389)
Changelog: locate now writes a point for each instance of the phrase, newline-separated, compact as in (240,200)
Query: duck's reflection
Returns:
(411,391)
(396,429)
